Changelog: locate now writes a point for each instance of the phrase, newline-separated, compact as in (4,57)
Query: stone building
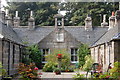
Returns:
(48,38)
(106,49)
(10,46)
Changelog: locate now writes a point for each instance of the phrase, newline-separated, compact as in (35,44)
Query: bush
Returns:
(82,52)
(115,71)
(65,62)
(28,72)
(32,54)
(88,63)
(2,71)
(79,76)
(49,66)
(68,69)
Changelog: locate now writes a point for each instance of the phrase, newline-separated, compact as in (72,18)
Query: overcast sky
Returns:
(3,3)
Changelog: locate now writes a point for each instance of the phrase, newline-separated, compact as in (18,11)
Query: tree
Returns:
(43,12)
(35,55)
(75,16)
(32,54)
(82,52)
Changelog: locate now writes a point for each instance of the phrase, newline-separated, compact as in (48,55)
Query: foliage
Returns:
(88,63)
(32,54)
(76,11)
(79,76)
(115,71)
(28,72)
(82,52)
(49,66)
(35,54)
(79,11)
(56,70)
(65,62)
(43,11)
(2,71)
(68,68)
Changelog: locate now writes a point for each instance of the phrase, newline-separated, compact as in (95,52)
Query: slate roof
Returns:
(88,37)
(9,33)
(33,36)
(111,34)
(36,35)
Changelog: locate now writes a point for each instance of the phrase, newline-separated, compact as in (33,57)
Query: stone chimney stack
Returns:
(112,21)
(104,23)
(8,19)
(88,23)
(31,21)
(117,19)
(16,20)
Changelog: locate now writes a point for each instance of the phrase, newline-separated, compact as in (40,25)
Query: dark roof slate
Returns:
(39,33)
(9,33)
(111,34)
(33,36)
(88,37)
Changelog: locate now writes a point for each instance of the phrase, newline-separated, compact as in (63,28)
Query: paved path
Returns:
(63,75)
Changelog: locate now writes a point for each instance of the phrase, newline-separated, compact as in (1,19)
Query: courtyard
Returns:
(60,40)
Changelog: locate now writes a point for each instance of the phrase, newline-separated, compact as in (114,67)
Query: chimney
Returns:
(88,23)
(31,21)
(16,20)
(104,23)
(112,20)
(8,19)
(117,19)
(2,16)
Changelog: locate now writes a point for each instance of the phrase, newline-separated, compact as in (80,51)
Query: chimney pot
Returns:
(31,21)
(16,20)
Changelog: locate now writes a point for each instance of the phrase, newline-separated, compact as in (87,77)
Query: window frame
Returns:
(74,55)
(43,55)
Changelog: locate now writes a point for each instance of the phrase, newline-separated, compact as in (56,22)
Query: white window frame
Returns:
(43,55)
(74,55)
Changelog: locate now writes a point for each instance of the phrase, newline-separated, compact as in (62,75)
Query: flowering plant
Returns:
(59,56)
(28,71)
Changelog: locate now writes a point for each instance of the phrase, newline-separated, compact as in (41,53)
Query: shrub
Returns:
(49,66)
(32,54)
(65,61)
(68,69)
(82,52)
(79,76)
(88,63)
(28,72)
(115,71)
(2,71)
(56,70)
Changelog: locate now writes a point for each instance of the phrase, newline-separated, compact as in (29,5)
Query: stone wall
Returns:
(106,53)
(51,43)
(11,55)
(117,50)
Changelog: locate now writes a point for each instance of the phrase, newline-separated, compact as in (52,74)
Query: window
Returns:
(74,57)
(60,37)
(45,53)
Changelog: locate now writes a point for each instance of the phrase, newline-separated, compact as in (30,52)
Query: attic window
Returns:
(60,37)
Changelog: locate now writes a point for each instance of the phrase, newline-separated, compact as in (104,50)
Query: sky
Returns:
(3,3)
